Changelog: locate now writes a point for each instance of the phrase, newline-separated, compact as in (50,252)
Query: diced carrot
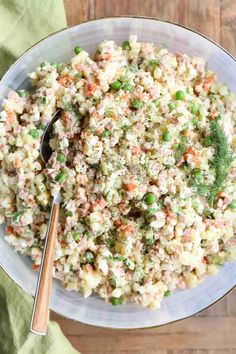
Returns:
(220,194)
(129,187)
(106,56)
(114,117)
(91,89)
(100,130)
(82,179)
(169,213)
(88,268)
(35,267)
(65,80)
(95,115)
(126,96)
(101,203)
(10,117)
(214,114)
(190,151)
(66,116)
(17,162)
(10,230)
(117,223)
(126,229)
(136,150)
(79,67)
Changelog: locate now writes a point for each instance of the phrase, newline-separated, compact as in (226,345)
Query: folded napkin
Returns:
(23,23)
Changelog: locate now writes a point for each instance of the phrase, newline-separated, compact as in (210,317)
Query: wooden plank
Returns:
(228,25)
(164,9)
(192,326)
(203,16)
(195,333)
(231,304)
(76,11)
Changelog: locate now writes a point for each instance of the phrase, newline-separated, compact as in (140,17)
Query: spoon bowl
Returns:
(45,148)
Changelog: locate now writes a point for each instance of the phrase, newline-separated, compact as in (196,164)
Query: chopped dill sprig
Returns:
(221,164)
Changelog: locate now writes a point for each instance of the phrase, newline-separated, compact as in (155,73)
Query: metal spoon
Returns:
(40,314)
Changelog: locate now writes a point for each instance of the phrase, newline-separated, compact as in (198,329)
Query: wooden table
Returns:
(213,331)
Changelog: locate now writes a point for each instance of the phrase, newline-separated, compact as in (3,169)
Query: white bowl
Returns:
(59,47)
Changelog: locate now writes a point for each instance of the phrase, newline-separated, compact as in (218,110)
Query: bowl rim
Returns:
(117,17)
(73,26)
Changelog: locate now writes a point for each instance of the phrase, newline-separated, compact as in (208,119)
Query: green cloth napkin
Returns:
(15,314)
(23,23)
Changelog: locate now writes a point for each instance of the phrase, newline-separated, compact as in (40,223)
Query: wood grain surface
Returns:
(213,331)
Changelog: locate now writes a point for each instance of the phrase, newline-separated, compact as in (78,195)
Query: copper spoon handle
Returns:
(40,315)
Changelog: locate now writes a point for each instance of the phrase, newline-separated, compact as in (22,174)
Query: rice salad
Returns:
(143,154)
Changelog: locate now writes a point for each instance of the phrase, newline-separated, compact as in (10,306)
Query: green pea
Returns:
(78,49)
(156,102)
(150,212)
(167,293)
(185,166)
(116,85)
(180,95)
(195,122)
(171,106)
(16,217)
(197,176)
(68,213)
(125,45)
(118,258)
(220,116)
(193,108)
(22,93)
(55,65)
(149,241)
(111,242)
(127,87)
(150,198)
(61,157)
(207,213)
(107,113)
(89,257)
(41,126)
(116,301)
(78,75)
(112,283)
(43,64)
(61,177)
(106,133)
(137,104)
(36,242)
(185,127)
(232,205)
(166,136)
(75,235)
(207,141)
(88,234)
(43,99)
(154,63)
(34,133)
(95,166)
